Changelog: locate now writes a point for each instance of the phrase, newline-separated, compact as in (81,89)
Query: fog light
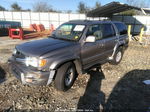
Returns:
(29,80)
(38,76)
(33,76)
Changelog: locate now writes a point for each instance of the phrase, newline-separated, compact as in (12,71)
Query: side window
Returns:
(95,30)
(121,28)
(108,30)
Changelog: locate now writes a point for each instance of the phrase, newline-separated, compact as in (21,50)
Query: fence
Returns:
(27,18)
(47,18)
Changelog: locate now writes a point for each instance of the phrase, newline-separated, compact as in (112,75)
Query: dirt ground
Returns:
(115,88)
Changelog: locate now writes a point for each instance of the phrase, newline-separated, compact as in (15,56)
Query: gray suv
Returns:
(72,49)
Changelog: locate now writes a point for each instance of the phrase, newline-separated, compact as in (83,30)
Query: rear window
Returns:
(121,28)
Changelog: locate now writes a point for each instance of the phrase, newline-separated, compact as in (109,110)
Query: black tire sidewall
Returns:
(119,50)
(116,56)
(61,75)
(114,62)
(74,75)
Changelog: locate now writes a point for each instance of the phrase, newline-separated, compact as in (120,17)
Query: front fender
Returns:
(56,63)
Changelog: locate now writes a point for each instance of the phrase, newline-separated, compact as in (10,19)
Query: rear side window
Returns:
(108,30)
(121,28)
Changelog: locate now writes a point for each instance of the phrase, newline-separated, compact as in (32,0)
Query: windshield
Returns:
(69,32)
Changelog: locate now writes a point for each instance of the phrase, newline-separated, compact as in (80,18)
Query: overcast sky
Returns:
(56,4)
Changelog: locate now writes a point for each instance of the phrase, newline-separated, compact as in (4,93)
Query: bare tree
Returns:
(139,3)
(82,8)
(42,7)
(128,13)
(16,7)
(97,4)
(26,10)
(2,8)
(69,11)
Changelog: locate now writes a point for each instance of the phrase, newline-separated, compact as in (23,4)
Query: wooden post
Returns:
(129,32)
(141,34)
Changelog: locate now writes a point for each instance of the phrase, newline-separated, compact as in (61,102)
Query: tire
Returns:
(65,77)
(117,57)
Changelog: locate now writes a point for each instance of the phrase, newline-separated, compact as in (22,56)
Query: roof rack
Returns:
(80,20)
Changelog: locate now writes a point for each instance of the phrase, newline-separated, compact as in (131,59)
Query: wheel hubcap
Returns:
(69,76)
(118,56)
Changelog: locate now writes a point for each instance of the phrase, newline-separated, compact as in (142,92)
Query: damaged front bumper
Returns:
(28,76)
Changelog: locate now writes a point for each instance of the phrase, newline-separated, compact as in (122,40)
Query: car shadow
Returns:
(130,94)
(2,75)
(93,97)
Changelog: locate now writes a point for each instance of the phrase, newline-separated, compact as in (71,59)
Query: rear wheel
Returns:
(117,57)
(65,77)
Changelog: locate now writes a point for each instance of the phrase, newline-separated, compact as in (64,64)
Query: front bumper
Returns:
(28,76)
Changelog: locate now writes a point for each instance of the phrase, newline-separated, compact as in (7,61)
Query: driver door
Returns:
(92,52)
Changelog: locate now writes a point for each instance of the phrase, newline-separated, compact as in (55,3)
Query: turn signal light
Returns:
(42,62)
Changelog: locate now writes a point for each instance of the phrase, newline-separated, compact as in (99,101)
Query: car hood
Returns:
(40,47)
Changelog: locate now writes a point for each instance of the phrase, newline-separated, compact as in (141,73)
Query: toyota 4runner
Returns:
(72,48)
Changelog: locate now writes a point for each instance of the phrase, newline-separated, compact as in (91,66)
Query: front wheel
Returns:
(65,77)
(117,57)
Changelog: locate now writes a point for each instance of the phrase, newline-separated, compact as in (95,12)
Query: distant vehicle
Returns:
(4,25)
(73,48)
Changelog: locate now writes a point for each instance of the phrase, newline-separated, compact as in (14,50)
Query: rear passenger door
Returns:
(122,30)
(110,38)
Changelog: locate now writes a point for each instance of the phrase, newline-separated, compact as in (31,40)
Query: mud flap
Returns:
(51,76)
(22,78)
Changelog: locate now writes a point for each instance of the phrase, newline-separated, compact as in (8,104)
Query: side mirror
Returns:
(90,39)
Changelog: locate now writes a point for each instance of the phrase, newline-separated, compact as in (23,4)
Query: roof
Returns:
(90,22)
(111,8)
(85,22)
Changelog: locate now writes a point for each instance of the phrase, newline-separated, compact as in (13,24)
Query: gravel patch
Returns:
(118,88)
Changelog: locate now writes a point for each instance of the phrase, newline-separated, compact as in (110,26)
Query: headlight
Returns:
(14,51)
(35,62)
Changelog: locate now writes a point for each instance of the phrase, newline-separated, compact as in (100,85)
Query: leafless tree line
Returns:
(82,7)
